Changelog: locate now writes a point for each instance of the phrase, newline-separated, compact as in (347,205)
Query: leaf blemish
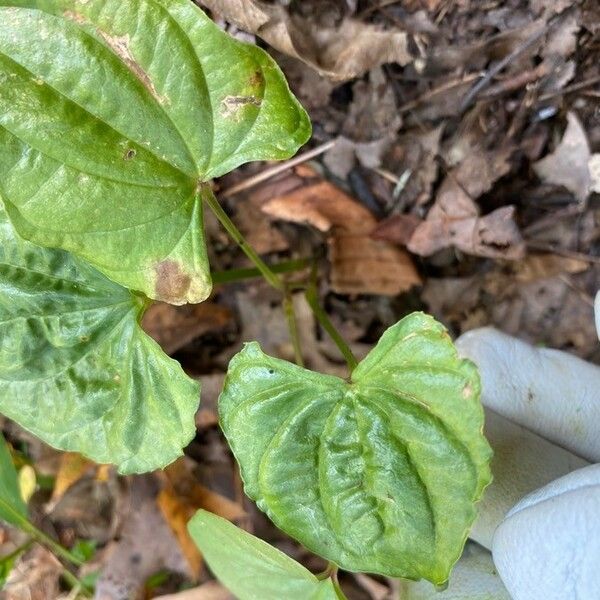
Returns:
(256,79)
(75,16)
(129,154)
(120,45)
(231,105)
(172,283)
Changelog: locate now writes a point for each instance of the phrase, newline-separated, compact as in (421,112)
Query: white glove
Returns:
(543,422)
(548,546)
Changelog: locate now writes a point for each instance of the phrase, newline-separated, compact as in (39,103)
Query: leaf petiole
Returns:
(39,536)
(275,281)
(235,275)
(313,301)
(239,239)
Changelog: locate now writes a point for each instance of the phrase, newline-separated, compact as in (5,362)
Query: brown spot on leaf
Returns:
(257,79)
(75,16)
(172,283)
(120,45)
(231,105)
(129,154)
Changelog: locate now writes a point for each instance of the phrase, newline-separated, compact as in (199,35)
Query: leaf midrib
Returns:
(67,99)
(99,341)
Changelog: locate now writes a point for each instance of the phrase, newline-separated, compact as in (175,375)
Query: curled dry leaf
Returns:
(454,219)
(359,264)
(568,165)
(341,52)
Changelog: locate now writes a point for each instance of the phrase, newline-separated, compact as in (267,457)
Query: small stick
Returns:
(253,181)
(500,66)
(543,247)
(514,83)
(408,106)
(570,88)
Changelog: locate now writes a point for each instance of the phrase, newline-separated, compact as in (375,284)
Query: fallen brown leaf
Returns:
(454,219)
(397,229)
(146,546)
(72,468)
(35,576)
(568,164)
(369,128)
(541,299)
(341,52)
(179,500)
(175,326)
(89,507)
(359,264)
(257,230)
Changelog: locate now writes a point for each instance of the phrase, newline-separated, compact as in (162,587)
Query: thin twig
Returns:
(585,297)
(498,67)
(253,181)
(570,89)
(543,247)
(509,58)
(412,104)
(516,82)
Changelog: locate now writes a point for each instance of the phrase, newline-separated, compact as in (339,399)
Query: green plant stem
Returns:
(313,301)
(234,275)
(290,315)
(274,280)
(37,535)
(18,551)
(40,537)
(239,239)
(74,583)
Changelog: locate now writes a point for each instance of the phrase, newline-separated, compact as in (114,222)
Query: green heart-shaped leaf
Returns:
(377,475)
(251,568)
(77,370)
(12,507)
(113,114)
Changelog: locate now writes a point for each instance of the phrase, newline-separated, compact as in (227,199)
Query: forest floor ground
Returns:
(456,170)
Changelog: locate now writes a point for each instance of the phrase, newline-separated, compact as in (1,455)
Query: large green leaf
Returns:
(379,474)
(12,507)
(251,568)
(113,114)
(77,370)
